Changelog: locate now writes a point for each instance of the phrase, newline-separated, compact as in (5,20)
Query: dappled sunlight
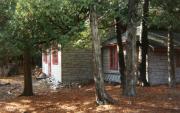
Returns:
(86,103)
(89,89)
(167,105)
(108,88)
(25,101)
(12,80)
(102,108)
(130,110)
(67,107)
(82,100)
(162,105)
(15,106)
(146,103)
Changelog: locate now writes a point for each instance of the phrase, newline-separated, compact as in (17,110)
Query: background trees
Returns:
(34,26)
(7,50)
(144,43)
(30,26)
(37,24)
(121,26)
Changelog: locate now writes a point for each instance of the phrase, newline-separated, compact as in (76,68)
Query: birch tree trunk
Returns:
(131,66)
(144,43)
(171,67)
(28,90)
(101,96)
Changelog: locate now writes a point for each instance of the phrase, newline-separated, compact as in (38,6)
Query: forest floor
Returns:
(156,99)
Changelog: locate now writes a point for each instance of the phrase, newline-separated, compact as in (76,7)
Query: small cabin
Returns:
(68,64)
(157,62)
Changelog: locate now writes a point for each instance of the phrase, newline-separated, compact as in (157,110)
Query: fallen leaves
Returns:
(156,99)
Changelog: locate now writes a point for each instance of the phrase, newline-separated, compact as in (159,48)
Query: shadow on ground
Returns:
(158,99)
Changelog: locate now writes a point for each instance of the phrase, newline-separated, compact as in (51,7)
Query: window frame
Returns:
(55,59)
(113,57)
(45,57)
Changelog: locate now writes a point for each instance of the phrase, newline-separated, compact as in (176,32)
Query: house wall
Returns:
(158,69)
(76,65)
(56,69)
(45,65)
(109,75)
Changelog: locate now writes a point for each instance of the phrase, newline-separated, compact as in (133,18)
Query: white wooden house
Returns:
(51,64)
(157,69)
(68,64)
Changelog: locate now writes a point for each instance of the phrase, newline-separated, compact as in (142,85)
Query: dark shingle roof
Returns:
(156,39)
(159,39)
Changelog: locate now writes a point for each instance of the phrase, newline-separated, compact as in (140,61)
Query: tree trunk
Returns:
(101,95)
(28,90)
(131,66)
(171,69)
(144,44)
(119,32)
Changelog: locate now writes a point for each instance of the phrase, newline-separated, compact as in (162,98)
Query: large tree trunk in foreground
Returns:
(101,96)
(171,67)
(131,66)
(28,90)
(144,44)
(119,32)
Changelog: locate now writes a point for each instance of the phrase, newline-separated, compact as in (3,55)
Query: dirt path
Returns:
(159,99)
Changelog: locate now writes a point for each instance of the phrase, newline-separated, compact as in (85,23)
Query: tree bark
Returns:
(28,90)
(171,69)
(119,32)
(144,44)
(131,66)
(101,96)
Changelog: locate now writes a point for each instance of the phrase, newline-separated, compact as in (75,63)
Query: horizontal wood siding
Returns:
(178,75)
(76,65)
(105,60)
(158,69)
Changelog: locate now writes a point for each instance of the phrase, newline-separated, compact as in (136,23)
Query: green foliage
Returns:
(39,23)
(82,40)
(43,21)
(108,10)
(165,13)
(7,49)
(6,7)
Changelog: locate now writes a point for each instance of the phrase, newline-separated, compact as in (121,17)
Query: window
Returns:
(45,57)
(113,58)
(55,57)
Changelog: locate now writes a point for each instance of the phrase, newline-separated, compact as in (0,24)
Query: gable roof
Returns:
(157,39)
(113,40)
